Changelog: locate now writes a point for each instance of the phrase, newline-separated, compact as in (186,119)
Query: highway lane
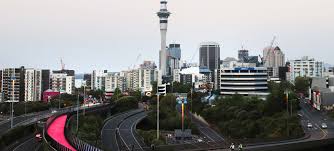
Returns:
(29,145)
(309,115)
(109,130)
(127,130)
(207,131)
(5,126)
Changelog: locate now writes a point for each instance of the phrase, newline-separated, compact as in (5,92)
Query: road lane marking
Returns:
(23,144)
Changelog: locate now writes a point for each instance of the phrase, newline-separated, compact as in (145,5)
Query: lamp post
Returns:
(78,107)
(287,111)
(158,118)
(13,100)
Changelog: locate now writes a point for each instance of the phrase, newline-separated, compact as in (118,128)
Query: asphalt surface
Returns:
(207,131)
(308,115)
(109,131)
(30,145)
(127,132)
(5,125)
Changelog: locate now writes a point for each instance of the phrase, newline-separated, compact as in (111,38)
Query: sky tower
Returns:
(163,15)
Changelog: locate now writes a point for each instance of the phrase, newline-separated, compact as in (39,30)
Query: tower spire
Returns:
(163,15)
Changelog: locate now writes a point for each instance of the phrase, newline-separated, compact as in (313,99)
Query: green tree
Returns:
(302,85)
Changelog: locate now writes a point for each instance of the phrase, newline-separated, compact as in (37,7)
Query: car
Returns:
(54,111)
(199,140)
(300,115)
(324,126)
(309,125)
(39,137)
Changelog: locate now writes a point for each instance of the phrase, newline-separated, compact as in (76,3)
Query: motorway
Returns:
(308,115)
(110,129)
(31,144)
(127,132)
(207,131)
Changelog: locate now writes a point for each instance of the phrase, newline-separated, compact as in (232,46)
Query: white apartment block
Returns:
(63,83)
(146,77)
(70,84)
(32,85)
(98,79)
(115,80)
(176,75)
(306,67)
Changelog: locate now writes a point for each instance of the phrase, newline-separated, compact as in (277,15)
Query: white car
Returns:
(54,111)
(309,125)
(324,126)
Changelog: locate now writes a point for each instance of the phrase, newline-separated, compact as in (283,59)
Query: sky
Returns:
(111,34)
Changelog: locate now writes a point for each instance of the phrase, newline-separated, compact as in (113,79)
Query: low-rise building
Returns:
(322,93)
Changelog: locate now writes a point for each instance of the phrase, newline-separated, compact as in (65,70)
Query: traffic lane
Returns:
(109,139)
(126,131)
(207,131)
(29,145)
(316,118)
(108,136)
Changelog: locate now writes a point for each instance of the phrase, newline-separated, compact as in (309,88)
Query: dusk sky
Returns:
(110,34)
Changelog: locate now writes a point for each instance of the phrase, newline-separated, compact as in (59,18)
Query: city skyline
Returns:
(96,34)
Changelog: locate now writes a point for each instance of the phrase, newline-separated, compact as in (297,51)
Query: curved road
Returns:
(127,132)
(109,131)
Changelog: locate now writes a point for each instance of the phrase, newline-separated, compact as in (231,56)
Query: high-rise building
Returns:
(273,58)
(243,55)
(248,81)
(173,58)
(113,81)
(63,83)
(67,72)
(163,15)
(0,85)
(209,56)
(45,80)
(306,67)
(98,79)
(88,80)
(33,85)
(10,75)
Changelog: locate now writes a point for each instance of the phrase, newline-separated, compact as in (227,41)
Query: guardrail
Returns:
(76,142)
(51,144)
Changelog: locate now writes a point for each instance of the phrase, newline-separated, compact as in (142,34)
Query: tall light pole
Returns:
(84,99)
(287,111)
(78,107)
(158,118)
(13,99)
(191,97)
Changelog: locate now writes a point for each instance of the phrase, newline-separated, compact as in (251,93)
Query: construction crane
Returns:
(134,64)
(263,60)
(62,64)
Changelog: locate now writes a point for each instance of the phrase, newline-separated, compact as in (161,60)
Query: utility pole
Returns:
(158,118)
(59,100)
(13,97)
(287,111)
(84,99)
(25,108)
(78,107)
(191,96)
